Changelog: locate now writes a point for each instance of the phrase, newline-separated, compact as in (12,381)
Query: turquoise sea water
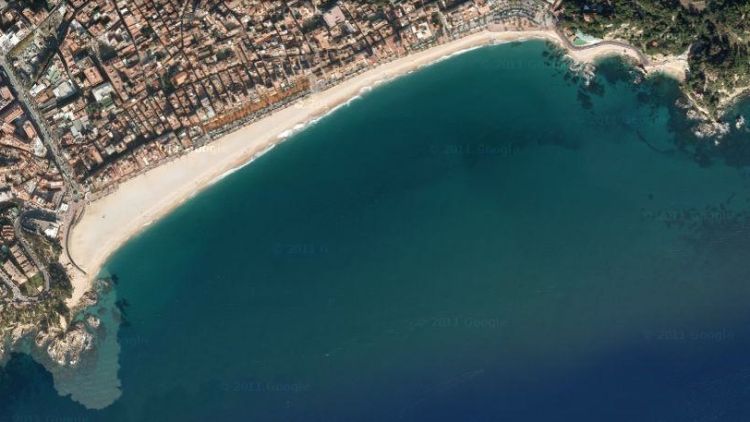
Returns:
(487,239)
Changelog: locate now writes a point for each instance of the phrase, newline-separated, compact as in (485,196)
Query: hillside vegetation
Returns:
(716,32)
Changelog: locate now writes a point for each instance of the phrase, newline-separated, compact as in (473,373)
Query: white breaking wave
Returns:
(241,166)
(364,90)
(451,55)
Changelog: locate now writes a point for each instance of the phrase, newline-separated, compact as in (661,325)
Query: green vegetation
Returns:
(106,51)
(46,312)
(716,33)
(313,23)
(224,54)
(47,249)
(34,5)
(59,282)
(34,286)
(45,309)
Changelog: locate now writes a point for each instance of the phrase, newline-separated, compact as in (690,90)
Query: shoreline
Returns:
(111,220)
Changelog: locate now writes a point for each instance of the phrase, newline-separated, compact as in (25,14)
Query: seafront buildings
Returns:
(94,92)
(124,85)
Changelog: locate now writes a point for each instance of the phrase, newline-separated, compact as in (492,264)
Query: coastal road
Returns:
(30,106)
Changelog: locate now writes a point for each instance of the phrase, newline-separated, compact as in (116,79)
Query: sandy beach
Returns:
(110,221)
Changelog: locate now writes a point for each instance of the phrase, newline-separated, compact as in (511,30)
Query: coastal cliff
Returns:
(713,37)
(48,330)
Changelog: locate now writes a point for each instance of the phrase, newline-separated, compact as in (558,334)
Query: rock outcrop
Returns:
(66,349)
(714,130)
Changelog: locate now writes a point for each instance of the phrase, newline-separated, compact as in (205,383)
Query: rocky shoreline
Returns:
(64,344)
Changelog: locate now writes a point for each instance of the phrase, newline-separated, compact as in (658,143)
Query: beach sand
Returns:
(111,220)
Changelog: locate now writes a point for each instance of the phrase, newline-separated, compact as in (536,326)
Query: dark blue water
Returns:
(488,239)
